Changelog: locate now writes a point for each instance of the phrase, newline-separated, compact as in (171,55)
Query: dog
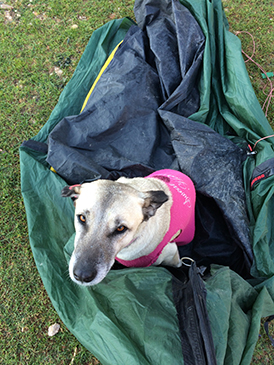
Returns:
(137,221)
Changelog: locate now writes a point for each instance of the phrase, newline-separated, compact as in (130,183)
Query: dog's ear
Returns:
(153,201)
(72,192)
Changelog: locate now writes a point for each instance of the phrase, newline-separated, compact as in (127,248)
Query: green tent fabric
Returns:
(130,317)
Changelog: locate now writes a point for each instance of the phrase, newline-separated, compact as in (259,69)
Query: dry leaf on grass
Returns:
(5,6)
(39,16)
(8,16)
(56,70)
(53,329)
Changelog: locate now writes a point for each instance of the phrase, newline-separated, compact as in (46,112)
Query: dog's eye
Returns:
(121,229)
(82,218)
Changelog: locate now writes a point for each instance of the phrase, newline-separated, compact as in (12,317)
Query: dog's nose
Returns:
(84,275)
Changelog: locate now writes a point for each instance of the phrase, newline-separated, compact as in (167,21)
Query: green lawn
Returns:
(40,46)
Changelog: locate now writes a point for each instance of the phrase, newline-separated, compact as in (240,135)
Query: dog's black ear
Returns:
(153,201)
(72,192)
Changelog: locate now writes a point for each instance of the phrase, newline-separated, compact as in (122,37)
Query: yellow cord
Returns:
(100,74)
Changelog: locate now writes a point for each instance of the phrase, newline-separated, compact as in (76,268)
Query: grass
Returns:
(37,40)
(257,19)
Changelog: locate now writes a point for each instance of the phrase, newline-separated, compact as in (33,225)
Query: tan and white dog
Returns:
(126,220)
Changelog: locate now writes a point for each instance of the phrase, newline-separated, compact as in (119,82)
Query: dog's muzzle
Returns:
(86,271)
(84,274)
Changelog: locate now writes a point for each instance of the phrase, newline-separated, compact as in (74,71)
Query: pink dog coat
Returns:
(182,215)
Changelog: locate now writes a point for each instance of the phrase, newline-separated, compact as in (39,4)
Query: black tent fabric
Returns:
(136,121)
(176,94)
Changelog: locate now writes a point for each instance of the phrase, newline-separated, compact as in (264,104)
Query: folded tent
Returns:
(174,94)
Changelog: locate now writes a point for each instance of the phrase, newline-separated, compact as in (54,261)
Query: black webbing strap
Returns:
(261,172)
(266,324)
(189,295)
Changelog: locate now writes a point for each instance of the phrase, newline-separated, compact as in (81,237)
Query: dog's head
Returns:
(108,216)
